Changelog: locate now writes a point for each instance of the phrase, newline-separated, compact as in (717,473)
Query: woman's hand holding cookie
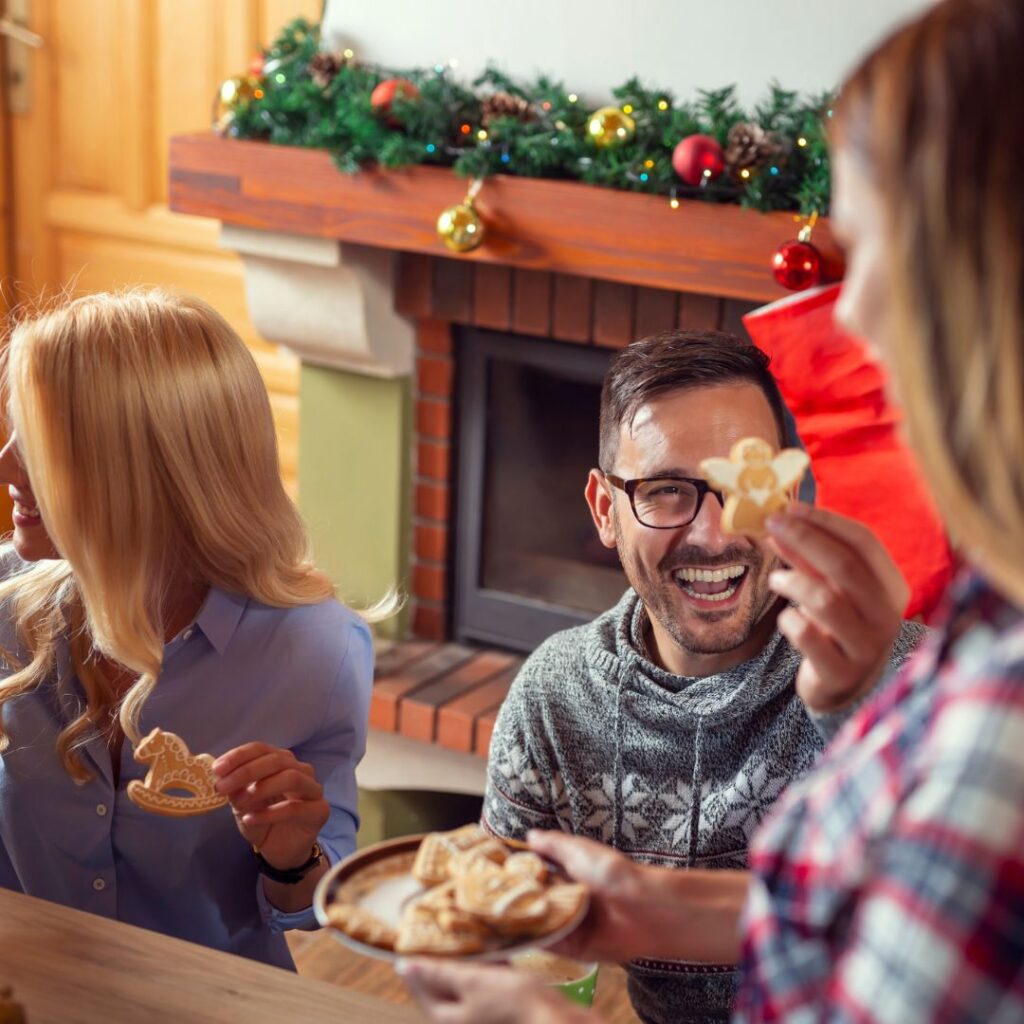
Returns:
(848,600)
(278,804)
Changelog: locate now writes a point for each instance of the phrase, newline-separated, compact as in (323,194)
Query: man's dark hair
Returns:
(679,361)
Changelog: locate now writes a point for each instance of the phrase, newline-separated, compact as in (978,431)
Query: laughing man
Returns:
(668,726)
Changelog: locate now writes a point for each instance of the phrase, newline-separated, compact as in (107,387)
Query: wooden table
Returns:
(69,967)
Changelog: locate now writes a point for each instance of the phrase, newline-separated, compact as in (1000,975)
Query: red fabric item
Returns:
(862,468)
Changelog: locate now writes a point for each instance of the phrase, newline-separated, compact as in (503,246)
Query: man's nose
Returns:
(706,528)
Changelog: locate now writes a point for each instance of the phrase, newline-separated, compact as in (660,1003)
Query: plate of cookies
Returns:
(462,894)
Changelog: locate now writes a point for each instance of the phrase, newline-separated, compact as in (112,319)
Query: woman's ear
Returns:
(601,500)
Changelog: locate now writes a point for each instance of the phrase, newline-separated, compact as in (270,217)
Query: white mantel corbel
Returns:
(330,304)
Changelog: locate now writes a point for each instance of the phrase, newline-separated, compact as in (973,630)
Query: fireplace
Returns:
(348,272)
(527,560)
(509,365)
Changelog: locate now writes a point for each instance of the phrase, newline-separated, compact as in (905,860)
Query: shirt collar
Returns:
(219,616)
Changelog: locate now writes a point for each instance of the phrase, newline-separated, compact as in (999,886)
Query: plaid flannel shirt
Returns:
(889,884)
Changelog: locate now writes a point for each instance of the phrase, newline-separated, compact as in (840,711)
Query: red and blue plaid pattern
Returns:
(889,884)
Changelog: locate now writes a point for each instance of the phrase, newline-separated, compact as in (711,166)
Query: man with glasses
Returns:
(668,726)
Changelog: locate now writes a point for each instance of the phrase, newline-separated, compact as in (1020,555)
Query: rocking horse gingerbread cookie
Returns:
(756,482)
(173,772)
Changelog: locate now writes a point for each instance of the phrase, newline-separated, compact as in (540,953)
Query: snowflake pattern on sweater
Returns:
(596,740)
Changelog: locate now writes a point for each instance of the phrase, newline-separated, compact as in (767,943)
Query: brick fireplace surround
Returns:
(439,294)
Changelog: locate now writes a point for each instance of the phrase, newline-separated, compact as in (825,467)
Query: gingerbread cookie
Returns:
(564,902)
(437,906)
(427,935)
(756,482)
(361,925)
(511,904)
(484,856)
(173,768)
(434,857)
(528,865)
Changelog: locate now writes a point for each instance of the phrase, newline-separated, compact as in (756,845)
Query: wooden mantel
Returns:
(532,223)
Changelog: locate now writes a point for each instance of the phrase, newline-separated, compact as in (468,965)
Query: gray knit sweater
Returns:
(596,740)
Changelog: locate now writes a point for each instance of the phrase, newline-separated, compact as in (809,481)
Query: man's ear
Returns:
(600,502)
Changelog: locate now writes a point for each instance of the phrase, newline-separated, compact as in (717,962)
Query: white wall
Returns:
(594,45)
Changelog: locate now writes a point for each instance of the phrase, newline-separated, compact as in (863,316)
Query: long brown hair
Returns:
(935,117)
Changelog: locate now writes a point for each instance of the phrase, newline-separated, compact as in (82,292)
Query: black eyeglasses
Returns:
(665,502)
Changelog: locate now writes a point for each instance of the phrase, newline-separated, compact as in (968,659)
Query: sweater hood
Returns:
(616,655)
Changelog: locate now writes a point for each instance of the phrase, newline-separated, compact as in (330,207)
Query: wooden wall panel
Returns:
(656,311)
(83,38)
(531,301)
(89,161)
(492,297)
(453,291)
(414,297)
(613,314)
(573,308)
(700,312)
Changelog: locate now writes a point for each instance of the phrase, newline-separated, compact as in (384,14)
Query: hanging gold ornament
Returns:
(610,126)
(461,227)
(231,94)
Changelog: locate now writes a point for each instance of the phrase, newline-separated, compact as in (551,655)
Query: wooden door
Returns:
(113,80)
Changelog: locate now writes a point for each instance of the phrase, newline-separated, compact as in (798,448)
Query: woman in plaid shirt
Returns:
(889,884)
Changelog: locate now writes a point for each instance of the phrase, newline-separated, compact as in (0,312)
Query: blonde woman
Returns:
(158,575)
(888,885)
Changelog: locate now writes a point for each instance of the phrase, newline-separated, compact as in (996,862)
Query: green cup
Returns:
(583,989)
(576,981)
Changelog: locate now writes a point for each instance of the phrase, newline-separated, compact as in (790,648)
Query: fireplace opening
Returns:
(527,558)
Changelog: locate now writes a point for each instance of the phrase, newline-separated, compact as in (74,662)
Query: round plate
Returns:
(378,878)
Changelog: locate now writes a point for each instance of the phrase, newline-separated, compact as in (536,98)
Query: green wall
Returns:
(354,481)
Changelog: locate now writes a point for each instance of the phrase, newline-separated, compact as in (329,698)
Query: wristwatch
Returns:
(288,876)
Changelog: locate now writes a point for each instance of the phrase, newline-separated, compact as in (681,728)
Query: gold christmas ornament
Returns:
(610,126)
(460,227)
(232,93)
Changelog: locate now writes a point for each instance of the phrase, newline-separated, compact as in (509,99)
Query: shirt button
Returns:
(101,810)
(98,884)
(186,634)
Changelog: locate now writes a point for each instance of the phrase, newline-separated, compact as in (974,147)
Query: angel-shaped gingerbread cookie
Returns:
(756,482)
(178,783)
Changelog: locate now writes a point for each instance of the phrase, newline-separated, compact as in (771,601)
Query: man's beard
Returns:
(659,592)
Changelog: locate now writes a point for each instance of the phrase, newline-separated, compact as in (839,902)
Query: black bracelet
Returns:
(288,876)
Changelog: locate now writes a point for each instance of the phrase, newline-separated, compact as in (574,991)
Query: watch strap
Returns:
(288,876)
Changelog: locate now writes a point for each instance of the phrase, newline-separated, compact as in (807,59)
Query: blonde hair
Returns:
(146,431)
(934,117)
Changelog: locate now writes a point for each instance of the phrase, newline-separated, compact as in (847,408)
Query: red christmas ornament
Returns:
(256,64)
(698,158)
(384,95)
(797,265)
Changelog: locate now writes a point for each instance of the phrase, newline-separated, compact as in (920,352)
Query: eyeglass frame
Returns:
(702,487)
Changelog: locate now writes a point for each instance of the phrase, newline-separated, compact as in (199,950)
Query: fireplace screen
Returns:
(527,558)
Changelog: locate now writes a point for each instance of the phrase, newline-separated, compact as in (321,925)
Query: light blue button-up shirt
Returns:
(298,678)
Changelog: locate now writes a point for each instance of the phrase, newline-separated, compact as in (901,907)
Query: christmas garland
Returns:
(771,158)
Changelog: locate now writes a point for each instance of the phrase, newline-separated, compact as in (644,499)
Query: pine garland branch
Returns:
(532,129)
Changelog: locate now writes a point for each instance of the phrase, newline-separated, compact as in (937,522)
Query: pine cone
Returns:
(749,147)
(505,104)
(324,66)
